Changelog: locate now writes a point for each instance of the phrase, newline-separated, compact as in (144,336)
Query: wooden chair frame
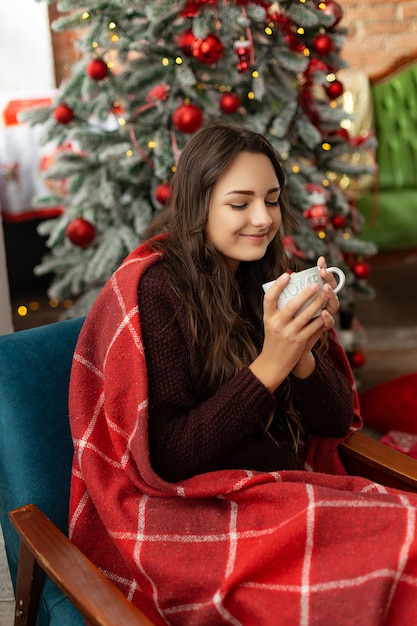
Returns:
(400,64)
(364,456)
(45,550)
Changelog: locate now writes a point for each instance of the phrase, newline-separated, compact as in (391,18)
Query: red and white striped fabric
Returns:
(228,547)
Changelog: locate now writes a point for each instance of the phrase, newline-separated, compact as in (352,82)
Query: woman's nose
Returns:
(261,215)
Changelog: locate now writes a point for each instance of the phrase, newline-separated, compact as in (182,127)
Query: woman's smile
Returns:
(255,238)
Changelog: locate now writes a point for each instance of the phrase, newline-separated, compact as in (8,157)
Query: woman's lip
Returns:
(256,237)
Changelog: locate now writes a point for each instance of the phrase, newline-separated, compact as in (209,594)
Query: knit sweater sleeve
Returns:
(325,398)
(195,432)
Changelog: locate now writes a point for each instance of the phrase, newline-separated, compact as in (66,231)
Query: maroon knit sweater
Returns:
(194,430)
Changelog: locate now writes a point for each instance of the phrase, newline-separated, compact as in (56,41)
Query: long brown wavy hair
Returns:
(224,310)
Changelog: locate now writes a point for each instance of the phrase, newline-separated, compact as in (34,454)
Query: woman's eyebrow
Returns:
(252,193)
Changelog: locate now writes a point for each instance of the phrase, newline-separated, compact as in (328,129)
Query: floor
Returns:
(390,331)
(390,321)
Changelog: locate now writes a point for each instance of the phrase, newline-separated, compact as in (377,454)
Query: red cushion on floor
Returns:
(391,405)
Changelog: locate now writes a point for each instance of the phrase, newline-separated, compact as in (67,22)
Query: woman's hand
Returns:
(289,338)
(332,305)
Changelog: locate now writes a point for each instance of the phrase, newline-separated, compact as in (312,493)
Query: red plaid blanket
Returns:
(228,547)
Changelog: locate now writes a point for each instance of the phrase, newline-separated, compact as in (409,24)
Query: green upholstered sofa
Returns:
(390,210)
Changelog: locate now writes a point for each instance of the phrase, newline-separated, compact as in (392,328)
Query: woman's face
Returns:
(244,214)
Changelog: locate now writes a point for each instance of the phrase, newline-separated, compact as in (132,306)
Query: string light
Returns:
(344,182)
(152,144)
(251,95)
(112,26)
(35,307)
(129,153)
(179,61)
(85,15)
(326,146)
(255,74)
(268,30)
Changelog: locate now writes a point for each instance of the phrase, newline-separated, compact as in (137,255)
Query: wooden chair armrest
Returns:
(399,65)
(95,596)
(363,456)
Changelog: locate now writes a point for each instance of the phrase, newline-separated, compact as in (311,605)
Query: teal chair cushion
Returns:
(35,443)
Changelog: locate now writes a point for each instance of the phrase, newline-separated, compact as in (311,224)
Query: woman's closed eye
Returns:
(243,205)
(237,206)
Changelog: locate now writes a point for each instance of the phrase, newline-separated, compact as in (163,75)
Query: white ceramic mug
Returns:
(299,280)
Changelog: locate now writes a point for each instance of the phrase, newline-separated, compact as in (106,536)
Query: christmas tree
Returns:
(151,74)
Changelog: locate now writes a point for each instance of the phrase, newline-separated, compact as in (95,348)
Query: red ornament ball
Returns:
(188,118)
(63,114)
(318,216)
(332,9)
(357,358)
(339,221)
(229,102)
(208,50)
(80,232)
(97,69)
(186,42)
(361,270)
(322,44)
(162,193)
(334,89)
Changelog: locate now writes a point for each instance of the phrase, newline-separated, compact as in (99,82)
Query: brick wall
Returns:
(380,32)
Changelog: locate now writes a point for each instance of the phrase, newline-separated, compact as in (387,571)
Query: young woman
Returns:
(221,337)
(206,482)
